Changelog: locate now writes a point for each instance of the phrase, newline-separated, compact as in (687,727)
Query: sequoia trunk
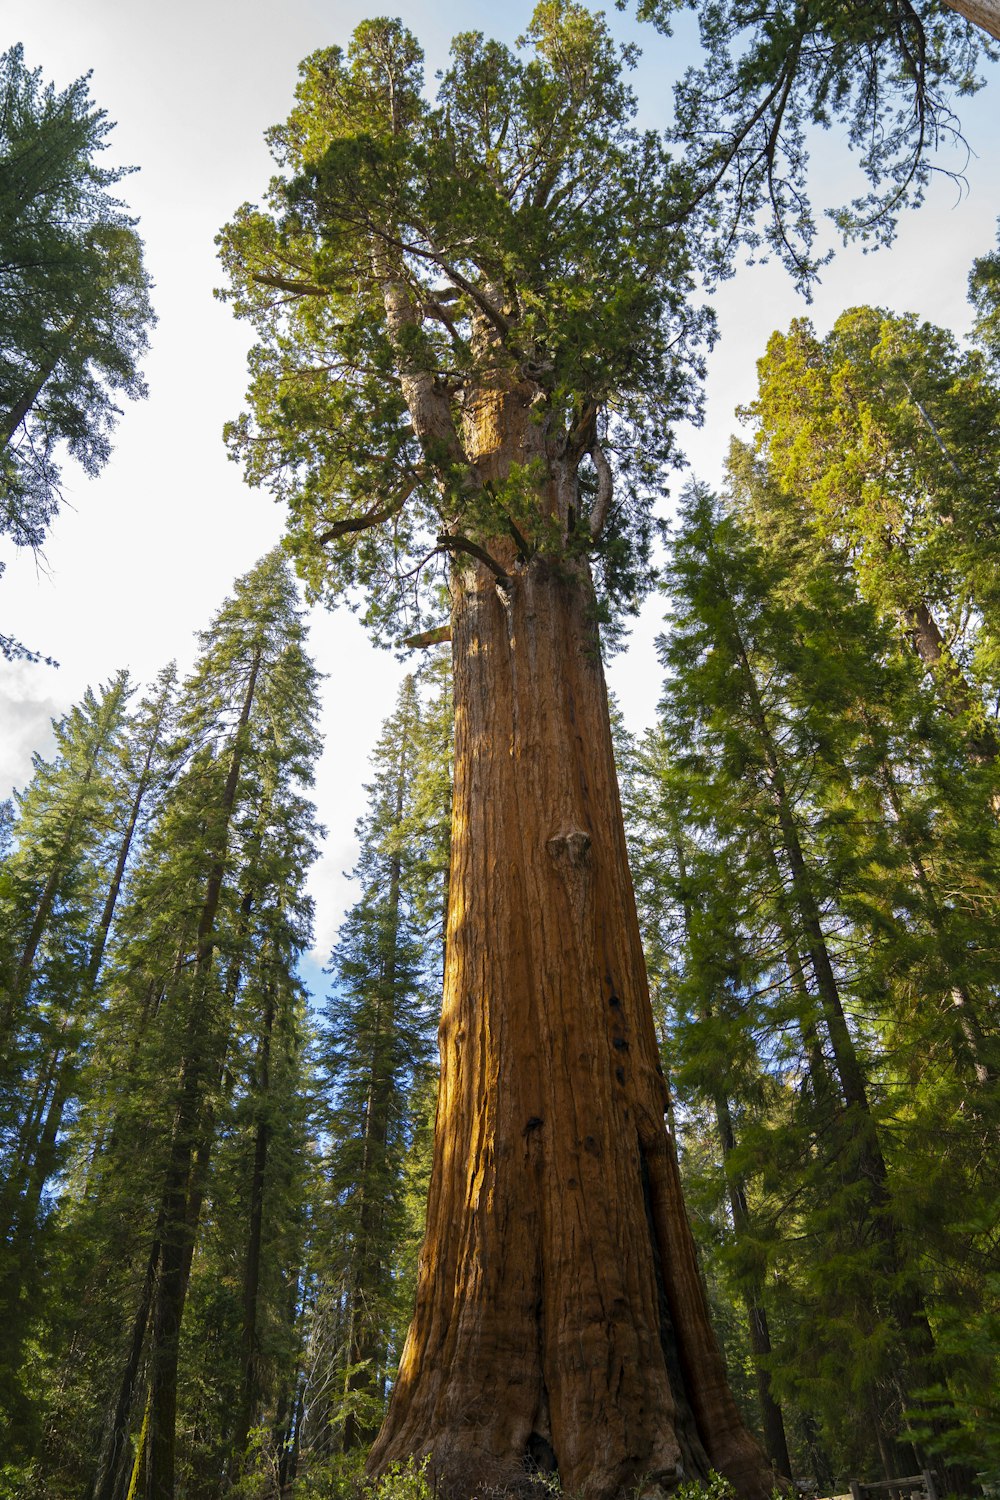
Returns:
(561,1322)
(982,13)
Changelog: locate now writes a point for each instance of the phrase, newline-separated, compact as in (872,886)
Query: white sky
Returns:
(142,556)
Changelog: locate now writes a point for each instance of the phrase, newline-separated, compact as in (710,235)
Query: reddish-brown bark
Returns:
(560,1318)
(982,13)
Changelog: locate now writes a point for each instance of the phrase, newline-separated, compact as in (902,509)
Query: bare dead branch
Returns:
(439,636)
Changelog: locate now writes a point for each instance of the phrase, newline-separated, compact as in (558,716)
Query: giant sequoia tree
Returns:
(473,340)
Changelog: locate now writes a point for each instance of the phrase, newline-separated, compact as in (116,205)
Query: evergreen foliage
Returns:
(376,1046)
(883,439)
(984,294)
(187,1148)
(209,1229)
(74,296)
(410,256)
(54,883)
(211,1202)
(817,868)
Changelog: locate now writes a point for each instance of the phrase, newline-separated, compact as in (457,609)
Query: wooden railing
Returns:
(912,1484)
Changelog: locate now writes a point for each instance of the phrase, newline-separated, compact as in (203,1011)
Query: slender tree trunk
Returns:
(368,1271)
(970,1045)
(823,1089)
(46,901)
(760,1334)
(903,1298)
(104,1152)
(124,848)
(828,1101)
(43,911)
(364,1340)
(249,1353)
(957,695)
(41,1152)
(13,419)
(31,1129)
(561,1320)
(113,1457)
(41,1160)
(772,1420)
(178,1231)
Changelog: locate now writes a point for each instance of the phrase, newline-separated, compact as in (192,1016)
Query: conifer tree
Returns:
(984,294)
(890,79)
(386,969)
(72,287)
(785,711)
(696,965)
(133,774)
(67,867)
(54,880)
(885,434)
(209,926)
(74,296)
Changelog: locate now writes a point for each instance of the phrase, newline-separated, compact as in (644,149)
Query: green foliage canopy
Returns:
(74,296)
(413,257)
(984,294)
(885,435)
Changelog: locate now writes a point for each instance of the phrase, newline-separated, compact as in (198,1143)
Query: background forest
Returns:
(216,1172)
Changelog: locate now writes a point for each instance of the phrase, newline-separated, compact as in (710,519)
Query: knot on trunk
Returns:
(572,847)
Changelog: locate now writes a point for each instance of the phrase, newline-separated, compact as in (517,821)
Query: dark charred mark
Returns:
(524,551)
(688,1435)
(620,1044)
(533,1124)
(539,1455)
(620,1074)
(615,1003)
(589,1144)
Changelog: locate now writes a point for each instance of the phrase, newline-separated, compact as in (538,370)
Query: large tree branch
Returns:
(605,491)
(582,435)
(432,254)
(370,518)
(428,405)
(451,543)
(436,257)
(439,636)
(728,153)
(437,310)
(288,284)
